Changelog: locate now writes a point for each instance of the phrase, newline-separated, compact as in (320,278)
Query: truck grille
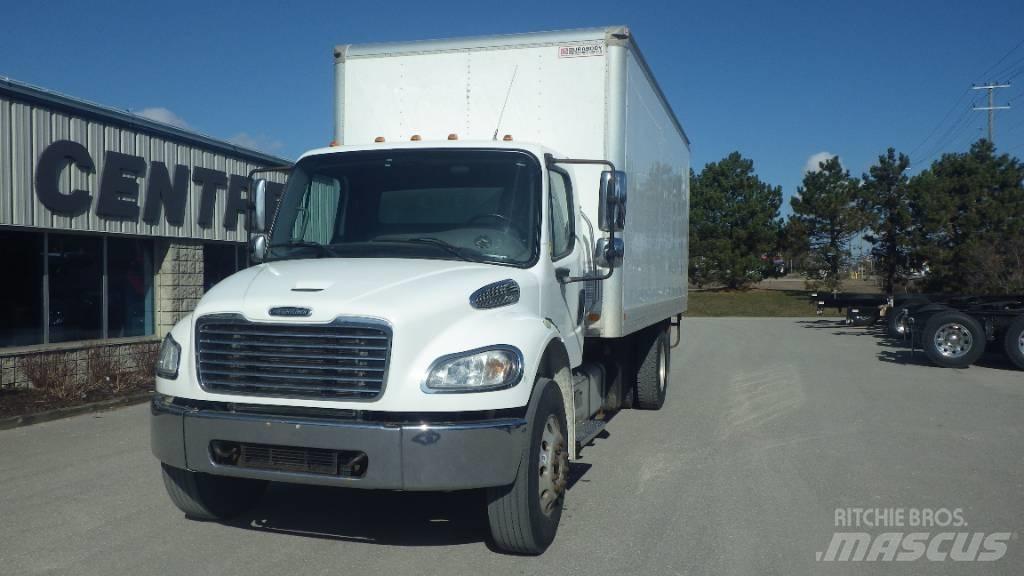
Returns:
(342,360)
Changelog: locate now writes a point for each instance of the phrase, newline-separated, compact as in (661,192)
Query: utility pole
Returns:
(991,108)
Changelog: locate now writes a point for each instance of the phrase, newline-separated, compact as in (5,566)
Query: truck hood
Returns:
(385,288)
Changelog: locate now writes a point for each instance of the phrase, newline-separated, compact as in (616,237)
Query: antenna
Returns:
(507,94)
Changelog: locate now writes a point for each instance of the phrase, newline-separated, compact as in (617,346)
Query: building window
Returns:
(129,287)
(21,299)
(75,278)
(219,262)
(74,287)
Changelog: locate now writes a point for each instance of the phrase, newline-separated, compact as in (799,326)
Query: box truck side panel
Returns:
(657,217)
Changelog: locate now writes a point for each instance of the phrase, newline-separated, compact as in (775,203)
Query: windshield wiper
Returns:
(460,253)
(321,249)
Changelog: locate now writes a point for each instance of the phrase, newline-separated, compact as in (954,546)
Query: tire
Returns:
(1013,342)
(208,497)
(897,321)
(652,372)
(524,516)
(953,339)
(897,318)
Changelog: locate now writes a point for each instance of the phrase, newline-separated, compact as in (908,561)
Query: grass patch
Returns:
(766,303)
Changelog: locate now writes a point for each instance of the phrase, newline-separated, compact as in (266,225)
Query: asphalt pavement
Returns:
(770,426)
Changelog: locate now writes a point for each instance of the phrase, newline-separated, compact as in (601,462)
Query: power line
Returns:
(972,130)
(941,122)
(1007,70)
(1015,126)
(1014,72)
(1002,58)
(940,143)
(1015,66)
(950,136)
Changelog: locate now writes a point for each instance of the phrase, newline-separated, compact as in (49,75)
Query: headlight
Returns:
(476,370)
(170,355)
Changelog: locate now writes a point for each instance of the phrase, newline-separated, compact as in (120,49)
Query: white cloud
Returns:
(814,161)
(256,142)
(161,114)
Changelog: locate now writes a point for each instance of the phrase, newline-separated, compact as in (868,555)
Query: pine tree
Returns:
(827,209)
(968,220)
(885,200)
(734,222)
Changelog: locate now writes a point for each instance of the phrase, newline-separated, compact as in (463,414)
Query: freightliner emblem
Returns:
(290,311)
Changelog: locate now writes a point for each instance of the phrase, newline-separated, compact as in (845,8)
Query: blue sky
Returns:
(778,81)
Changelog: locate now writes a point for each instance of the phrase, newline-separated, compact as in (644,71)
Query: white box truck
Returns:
(454,295)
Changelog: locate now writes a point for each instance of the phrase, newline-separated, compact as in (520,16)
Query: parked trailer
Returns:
(956,333)
(861,309)
(953,330)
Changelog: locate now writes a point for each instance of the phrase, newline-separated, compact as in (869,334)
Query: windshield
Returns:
(476,205)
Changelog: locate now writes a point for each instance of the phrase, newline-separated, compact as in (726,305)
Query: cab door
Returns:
(563,302)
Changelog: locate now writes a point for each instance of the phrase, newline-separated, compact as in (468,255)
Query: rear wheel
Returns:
(1013,342)
(953,339)
(653,367)
(524,516)
(897,318)
(208,497)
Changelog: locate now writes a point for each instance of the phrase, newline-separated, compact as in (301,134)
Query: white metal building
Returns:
(111,225)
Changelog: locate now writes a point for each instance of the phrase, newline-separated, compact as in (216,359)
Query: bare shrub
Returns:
(54,375)
(103,368)
(126,373)
(145,366)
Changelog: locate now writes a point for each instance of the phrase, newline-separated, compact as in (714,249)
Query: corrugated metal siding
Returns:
(27,128)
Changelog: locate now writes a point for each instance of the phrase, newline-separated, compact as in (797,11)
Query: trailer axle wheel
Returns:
(1013,342)
(953,339)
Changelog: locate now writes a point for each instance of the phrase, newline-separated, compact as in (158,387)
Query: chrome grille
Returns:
(342,360)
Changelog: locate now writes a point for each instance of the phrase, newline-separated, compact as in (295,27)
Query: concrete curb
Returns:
(28,419)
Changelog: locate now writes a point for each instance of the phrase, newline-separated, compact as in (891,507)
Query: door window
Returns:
(562,225)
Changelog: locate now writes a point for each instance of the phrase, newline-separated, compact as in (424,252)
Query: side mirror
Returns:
(259,194)
(258,248)
(611,210)
(609,254)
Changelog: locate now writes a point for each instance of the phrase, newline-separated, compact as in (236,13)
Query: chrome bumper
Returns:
(445,456)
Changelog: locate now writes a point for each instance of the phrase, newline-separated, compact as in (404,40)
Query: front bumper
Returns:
(400,456)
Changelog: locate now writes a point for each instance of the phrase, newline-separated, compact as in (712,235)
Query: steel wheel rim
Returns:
(953,340)
(1020,342)
(553,467)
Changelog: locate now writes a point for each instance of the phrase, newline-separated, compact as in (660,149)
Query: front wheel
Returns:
(208,497)
(524,516)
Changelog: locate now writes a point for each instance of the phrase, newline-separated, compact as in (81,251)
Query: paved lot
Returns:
(771,425)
